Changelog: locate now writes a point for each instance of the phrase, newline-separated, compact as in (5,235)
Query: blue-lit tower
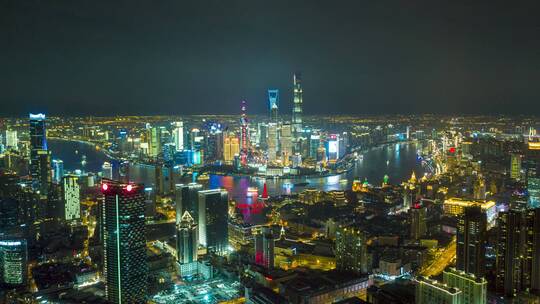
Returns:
(273,104)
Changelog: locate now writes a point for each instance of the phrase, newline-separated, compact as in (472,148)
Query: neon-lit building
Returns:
(124,242)
(13,262)
(533,174)
(264,248)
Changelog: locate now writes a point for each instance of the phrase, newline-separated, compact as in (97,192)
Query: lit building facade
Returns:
(474,289)
(124,242)
(186,199)
(273,104)
(533,173)
(213,220)
(107,170)
(178,135)
(432,292)
(58,170)
(187,245)
(264,248)
(71,198)
(471,241)
(12,141)
(515,166)
(231,147)
(13,262)
(38,142)
(456,207)
(297,110)
(518,252)
(351,250)
(272,142)
(154,141)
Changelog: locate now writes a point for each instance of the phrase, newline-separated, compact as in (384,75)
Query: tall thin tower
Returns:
(297,109)
(244,136)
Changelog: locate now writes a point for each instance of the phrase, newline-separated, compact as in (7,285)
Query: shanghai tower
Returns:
(297,109)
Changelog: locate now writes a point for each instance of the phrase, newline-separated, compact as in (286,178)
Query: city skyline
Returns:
(282,152)
(359,58)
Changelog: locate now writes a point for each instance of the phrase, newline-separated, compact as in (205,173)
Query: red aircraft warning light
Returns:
(452,150)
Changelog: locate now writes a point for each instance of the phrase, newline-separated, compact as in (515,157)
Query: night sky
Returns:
(197,57)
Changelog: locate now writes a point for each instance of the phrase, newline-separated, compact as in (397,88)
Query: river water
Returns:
(397,161)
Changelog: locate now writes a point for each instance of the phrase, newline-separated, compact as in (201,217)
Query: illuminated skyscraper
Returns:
(38,142)
(264,248)
(13,262)
(124,242)
(273,104)
(471,241)
(213,220)
(351,250)
(187,198)
(332,147)
(187,245)
(178,135)
(532,167)
(44,177)
(515,166)
(231,147)
(71,198)
(286,143)
(12,141)
(154,141)
(244,134)
(297,110)
(58,170)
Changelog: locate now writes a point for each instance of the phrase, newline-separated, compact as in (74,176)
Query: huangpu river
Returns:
(397,161)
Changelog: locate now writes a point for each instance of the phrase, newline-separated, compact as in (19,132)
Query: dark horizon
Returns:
(175,58)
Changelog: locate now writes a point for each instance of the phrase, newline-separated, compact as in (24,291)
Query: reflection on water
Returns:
(395,160)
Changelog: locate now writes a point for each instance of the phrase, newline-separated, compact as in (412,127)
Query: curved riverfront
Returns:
(395,160)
